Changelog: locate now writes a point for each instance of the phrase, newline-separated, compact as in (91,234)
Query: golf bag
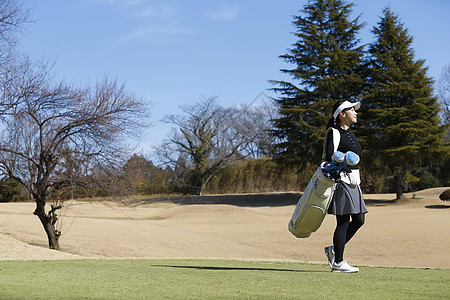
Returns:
(313,205)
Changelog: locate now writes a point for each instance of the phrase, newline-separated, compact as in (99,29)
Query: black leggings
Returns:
(344,231)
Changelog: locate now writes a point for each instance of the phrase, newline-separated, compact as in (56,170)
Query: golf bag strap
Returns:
(336,141)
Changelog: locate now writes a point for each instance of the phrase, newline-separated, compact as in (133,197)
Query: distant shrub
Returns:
(445,195)
(9,189)
(259,175)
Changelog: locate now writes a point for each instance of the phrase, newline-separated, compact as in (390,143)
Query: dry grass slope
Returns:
(412,232)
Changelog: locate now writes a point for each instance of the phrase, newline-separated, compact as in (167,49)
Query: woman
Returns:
(347,202)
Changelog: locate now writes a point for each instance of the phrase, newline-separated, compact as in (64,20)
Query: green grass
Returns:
(212,279)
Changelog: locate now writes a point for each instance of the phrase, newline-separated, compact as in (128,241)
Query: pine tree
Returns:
(400,121)
(327,64)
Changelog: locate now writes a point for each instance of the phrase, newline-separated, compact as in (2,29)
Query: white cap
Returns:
(344,105)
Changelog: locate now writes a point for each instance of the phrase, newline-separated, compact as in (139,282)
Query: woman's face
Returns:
(349,116)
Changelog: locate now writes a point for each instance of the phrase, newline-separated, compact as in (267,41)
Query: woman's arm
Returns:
(330,148)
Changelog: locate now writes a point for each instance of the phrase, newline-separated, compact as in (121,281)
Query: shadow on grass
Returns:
(238,269)
(375,202)
(438,206)
(243,200)
(250,200)
(384,202)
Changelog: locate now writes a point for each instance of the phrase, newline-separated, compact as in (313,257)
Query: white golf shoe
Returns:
(329,252)
(343,267)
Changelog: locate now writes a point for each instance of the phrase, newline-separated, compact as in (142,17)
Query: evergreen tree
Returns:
(400,121)
(8,189)
(327,68)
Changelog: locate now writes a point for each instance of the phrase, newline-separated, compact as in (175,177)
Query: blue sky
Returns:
(174,52)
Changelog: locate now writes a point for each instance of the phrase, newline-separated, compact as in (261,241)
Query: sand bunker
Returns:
(411,233)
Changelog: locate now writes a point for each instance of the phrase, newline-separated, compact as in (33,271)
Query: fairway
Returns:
(212,279)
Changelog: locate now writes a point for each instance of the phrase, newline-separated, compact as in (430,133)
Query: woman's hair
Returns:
(332,122)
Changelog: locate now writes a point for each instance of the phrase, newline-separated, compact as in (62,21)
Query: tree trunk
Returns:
(204,184)
(202,190)
(49,225)
(398,186)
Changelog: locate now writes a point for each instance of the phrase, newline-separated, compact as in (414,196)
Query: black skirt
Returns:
(347,200)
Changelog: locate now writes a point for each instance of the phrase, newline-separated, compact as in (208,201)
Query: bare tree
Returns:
(443,88)
(44,122)
(257,121)
(12,18)
(207,138)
